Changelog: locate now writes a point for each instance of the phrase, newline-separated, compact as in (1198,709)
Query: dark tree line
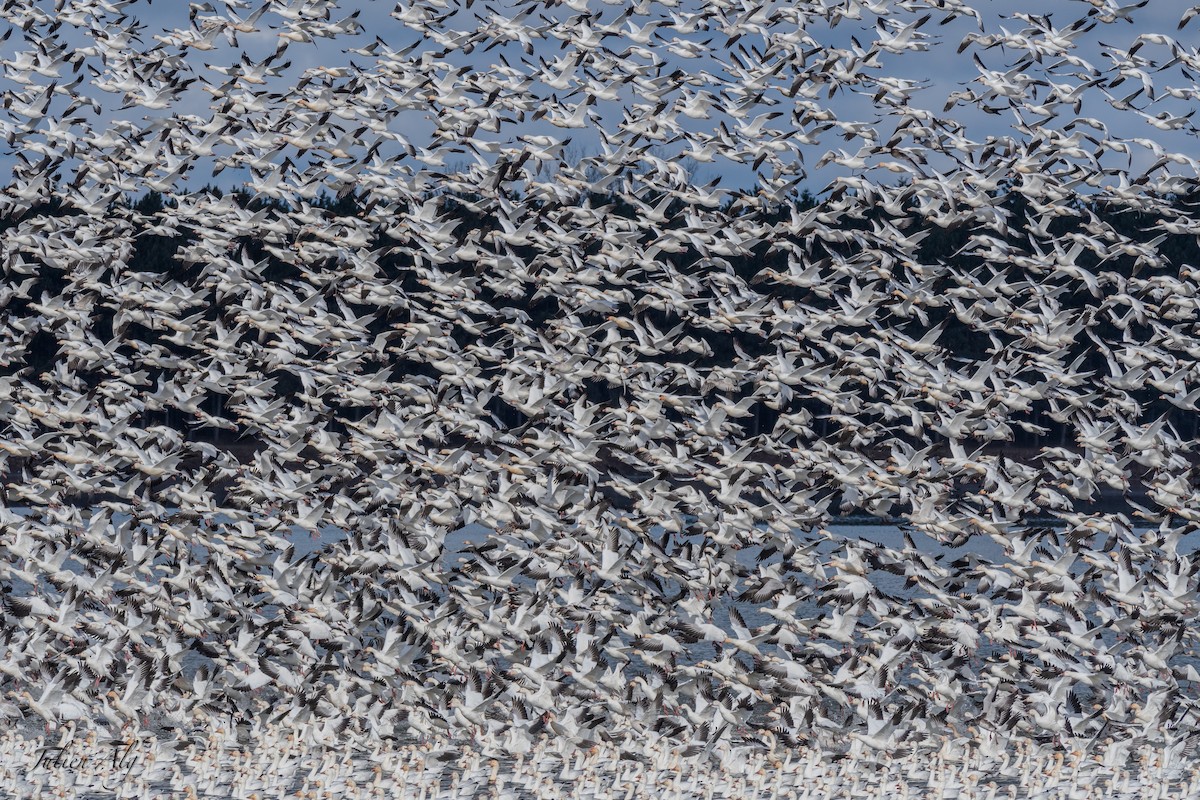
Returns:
(157,253)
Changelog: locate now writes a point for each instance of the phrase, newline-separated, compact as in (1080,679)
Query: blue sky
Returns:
(938,71)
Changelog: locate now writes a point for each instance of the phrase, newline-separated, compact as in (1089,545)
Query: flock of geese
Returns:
(236,487)
(274,763)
